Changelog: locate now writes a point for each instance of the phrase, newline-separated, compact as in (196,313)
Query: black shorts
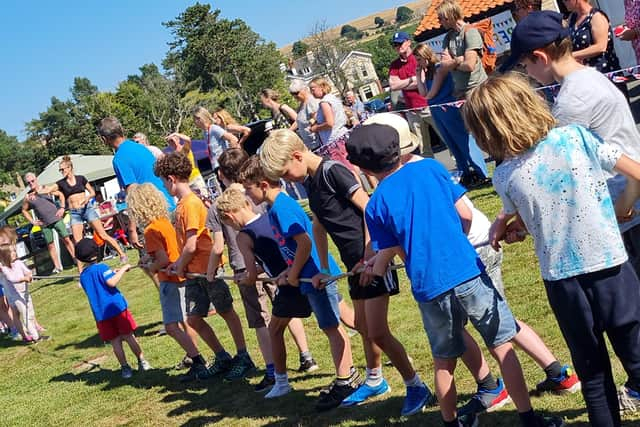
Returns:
(381,285)
(289,302)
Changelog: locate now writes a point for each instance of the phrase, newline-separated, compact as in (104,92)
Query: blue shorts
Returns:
(477,300)
(86,213)
(324,304)
(1,291)
(172,302)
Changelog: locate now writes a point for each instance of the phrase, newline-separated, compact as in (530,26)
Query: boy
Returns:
(113,319)
(338,202)
(444,269)
(292,229)
(195,244)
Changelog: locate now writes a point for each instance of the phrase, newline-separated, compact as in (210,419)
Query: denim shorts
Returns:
(324,304)
(86,213)
(172,302)
(492,261)
(445,316)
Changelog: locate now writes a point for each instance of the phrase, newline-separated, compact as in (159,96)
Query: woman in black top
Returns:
(78,192)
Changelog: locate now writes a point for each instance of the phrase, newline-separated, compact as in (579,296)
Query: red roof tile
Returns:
(470,8)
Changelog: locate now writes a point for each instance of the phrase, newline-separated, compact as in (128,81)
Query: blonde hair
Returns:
(226,118)
(450,9)
(145,203)
(277,149)
(506,116)
(323,84)
(423,51)
(9,233)
(203,114)
(270,94)
(231,200)
(66,161)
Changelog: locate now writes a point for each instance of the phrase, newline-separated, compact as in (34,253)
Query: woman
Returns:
(305,115)
(222,118)
(631,29)
(196,182)
(282,115)
(436,84)
(78,192)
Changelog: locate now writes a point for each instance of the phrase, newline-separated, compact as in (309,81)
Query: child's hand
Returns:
(624,213)
(211,275)
(241,278)
(175,269)
(319,281)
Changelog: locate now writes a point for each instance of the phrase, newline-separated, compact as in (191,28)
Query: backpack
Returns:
(489,54)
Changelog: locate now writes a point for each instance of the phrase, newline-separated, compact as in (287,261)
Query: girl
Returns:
(222,118)
(553,179)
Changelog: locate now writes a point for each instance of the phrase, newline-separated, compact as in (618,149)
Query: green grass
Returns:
(51,384)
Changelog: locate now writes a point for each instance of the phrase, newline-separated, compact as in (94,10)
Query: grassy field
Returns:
(74,379)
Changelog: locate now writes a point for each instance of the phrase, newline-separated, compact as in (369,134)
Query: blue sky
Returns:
(45,44)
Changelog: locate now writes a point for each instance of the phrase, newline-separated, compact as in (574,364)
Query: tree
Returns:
(225,55)
(403,14)
(299,49)
(382,54)
(346,29)
(378,21)
(328,53)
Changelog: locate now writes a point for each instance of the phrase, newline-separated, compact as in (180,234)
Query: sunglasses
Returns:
(397,44)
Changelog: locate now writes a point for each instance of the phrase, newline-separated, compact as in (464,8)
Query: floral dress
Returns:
(632,20)
(582,38)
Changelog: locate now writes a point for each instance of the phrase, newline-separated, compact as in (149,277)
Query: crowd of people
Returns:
(568,176)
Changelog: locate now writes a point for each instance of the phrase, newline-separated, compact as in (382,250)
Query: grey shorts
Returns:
(200,294)
(445,316)
(172,302)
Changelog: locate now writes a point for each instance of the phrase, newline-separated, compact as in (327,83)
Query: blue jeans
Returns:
(86,213)
(445,316)
(324,304)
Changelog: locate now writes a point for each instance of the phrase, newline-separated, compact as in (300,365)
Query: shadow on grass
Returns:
(108,379)
(96,341)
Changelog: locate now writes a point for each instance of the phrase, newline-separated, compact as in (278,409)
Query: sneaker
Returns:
(185,363)
(241,366)
(365,392)
(486,400)
(566,383)
(265,384)
(550,421)
(219,366)
(143,365)
(468,420)
(196,372)
(56,271)
(629,400)
(162,331)
(15,336)
(308,365)
(335,394)
(417,398)
(278,390)
(126,372)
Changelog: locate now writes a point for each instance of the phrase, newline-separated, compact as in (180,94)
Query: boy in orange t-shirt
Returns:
(195,244)
(149,208)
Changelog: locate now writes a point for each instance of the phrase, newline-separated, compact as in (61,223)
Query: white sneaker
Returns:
(143,365)
(278,390)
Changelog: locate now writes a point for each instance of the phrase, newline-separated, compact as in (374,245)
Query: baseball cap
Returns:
(534,31)
(375,147)
(86,250)
(297,86)
(408,141)
(400,37)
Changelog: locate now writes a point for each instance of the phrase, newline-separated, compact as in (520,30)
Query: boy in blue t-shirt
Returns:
(292,230)
(417,212)
(113,319)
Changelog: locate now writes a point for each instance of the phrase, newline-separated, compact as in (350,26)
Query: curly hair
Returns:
(252,172)
(145,203)
(175,164)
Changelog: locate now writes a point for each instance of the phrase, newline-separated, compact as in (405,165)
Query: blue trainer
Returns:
(365,392)
(417,398)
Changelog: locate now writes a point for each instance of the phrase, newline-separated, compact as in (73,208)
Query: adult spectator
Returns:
(631,29)
(225,120)
(402,76)
(132,163)
(306,113)
(48,217)
(196,181)
(356,106)
(141,138)
(522,8)
(282,115)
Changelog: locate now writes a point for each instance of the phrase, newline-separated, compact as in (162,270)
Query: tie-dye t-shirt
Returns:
(559,189)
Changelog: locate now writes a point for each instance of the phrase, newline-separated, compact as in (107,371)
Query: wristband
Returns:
(325,271)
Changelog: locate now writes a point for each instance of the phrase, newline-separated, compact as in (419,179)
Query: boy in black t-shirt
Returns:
(338,204)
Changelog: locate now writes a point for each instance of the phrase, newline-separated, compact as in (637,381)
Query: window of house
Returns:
(363,70)
(367,92)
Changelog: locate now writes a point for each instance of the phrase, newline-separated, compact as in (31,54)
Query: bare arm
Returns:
(188,251)
(600,36)
(215,256)
(303,252)
(396,83)
(322,243)
(160,260)
(180,136)
(289,113)
(27,214)
(231,139)
(467,62)
(383,258)
(113,281)
(244,132)
(465,214)
(92,192)
(624,205)
(327,111)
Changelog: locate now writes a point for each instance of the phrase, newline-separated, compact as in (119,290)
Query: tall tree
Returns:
(403,14)
(328,53)
(299,49)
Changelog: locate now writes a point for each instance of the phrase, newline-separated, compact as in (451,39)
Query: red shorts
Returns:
(112,328)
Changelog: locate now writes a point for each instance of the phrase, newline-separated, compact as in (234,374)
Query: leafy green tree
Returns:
(382,54)
(403,14)
(299,49)
(378,21)
(346,29)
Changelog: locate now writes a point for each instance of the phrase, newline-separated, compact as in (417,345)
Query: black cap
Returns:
(534,31)
(374,147)
(86,250)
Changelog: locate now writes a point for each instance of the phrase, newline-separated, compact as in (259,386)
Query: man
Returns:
(357,107)
(402,76)
(48,218)
(141,138)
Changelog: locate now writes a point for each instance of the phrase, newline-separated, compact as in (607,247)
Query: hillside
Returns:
(365,23)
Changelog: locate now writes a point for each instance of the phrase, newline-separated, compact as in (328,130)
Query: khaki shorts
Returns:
(200,294)
(256,303)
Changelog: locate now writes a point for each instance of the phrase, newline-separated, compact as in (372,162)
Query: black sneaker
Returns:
(197,372)
(185,363)
(335,394)
(550,421)
(265,384)
(308,365)
(220,366)
(468,420)
(241,366)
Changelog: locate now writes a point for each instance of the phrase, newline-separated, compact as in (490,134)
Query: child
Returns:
(195,245)
(416,212)
(554,179)
(292,229)
(8,236)
(114,321)
(16,279)
(149,208)
(338,201)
